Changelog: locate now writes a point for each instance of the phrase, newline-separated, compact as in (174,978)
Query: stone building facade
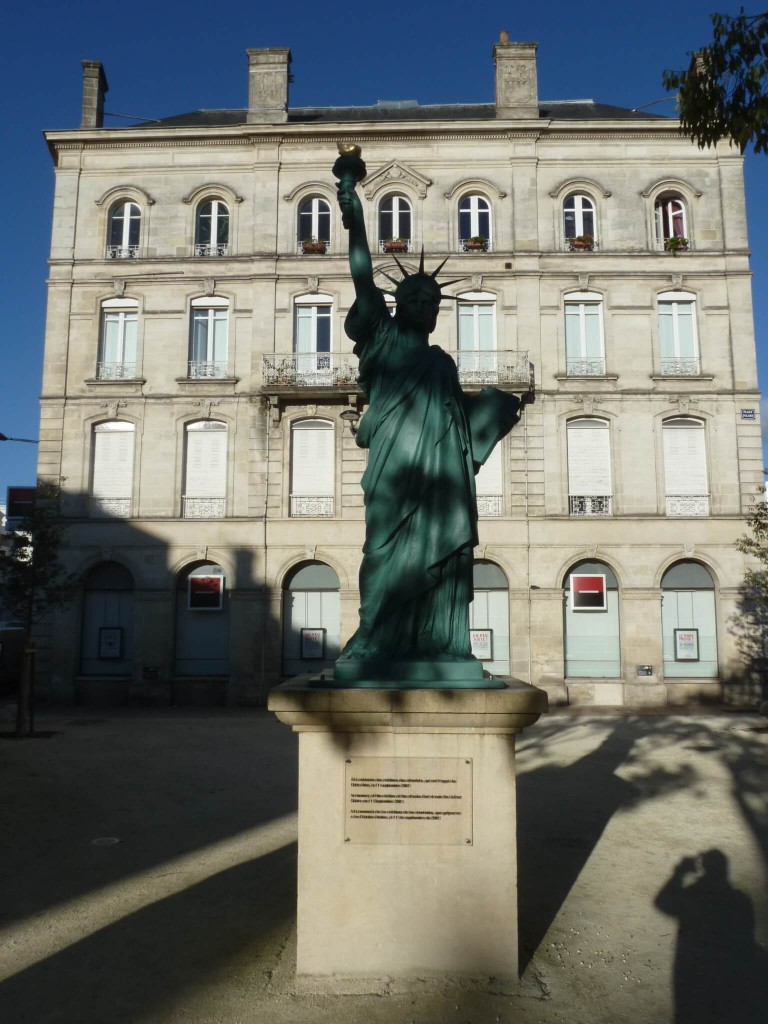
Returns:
(199,394)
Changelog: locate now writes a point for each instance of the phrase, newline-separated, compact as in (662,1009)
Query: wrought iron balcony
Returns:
(122,252)
(592,367)
(588,505)
(493,367)
(687,504)
(102,507)
(203,508)
(202,369)
(312,506)
(689,366)
(488,505)
(212,249)
(115,371)
(310,370)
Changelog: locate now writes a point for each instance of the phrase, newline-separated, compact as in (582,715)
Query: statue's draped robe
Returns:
(419,488)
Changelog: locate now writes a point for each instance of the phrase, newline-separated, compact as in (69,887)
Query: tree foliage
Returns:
(724,92)
(756,545)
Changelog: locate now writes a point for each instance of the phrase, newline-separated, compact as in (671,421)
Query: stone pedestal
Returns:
(407,828)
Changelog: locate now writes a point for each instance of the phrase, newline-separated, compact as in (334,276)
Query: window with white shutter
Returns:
(112,469)
(205,470)
(590,492)
(489,485)
(685,468)
(312,468)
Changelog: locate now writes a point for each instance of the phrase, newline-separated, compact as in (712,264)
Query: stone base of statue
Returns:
(407,830)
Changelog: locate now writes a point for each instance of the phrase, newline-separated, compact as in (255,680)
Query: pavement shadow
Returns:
(234,923)
(720,973)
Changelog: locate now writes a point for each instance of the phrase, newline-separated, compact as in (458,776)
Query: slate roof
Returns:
(407,110)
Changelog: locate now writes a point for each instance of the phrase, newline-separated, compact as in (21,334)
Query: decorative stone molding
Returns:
(475,184)
(396,175)
(670,185)
(128,192)
(113,408)
(311,410)
(118,287)
(580,185)
(311,188)
(313,284)
(677,280)
(209,285)
(310,550)
(213,189)
(206,404)
(584,282)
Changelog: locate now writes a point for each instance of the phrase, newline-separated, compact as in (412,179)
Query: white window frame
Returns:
(682,499)
(211,504)
(319,502)
(581,364)
(400,206)
(124,249)
(679,363)
(471,203)
(315,212)
(216,308)
(126,312)
(662,213)
(219,211)
(582,203)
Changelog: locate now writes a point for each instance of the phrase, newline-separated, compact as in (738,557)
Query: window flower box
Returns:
(581,243)
(476,244)
(676,244)
(313,245)
(395,245)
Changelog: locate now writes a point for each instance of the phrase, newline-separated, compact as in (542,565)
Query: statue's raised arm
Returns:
(349,169)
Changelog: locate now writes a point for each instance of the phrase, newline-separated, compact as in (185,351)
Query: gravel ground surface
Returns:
(149,858)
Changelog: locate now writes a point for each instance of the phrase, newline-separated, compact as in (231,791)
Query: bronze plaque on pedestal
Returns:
(408,801)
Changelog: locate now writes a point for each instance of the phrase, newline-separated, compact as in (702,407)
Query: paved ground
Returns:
(189,916)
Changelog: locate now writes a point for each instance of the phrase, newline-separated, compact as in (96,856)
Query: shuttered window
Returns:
(589,457)
(206,460)
(112,469)
(488,484)
(312,468)
(685,467)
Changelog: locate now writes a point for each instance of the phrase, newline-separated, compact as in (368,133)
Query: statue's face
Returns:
(418,302)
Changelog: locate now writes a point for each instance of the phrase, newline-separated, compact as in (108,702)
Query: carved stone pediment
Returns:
(396,174)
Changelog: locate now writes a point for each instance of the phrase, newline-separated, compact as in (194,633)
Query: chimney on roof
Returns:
(268,77)
(94,88)
(517,92)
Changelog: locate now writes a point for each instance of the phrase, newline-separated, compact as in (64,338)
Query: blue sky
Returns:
(164,59)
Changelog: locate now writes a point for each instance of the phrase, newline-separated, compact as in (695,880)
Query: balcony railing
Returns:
(312,506)
(668,245)
(689,366)
(212,249)
(489,505)
(593,367)
(687,504)
(315,247)
(115,371)
(493,367)
(203,508)
(583,505)
(310,369)
(122,252)
(110,508)
(402,245)
(201,369)
(576,245)
(469,245)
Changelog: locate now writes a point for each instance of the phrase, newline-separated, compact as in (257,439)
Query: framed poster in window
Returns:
(481,641)
(111,642)
(313,643)
(686,644)
(589,592)
(206,593)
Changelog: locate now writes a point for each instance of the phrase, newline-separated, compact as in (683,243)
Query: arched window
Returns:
(678,344)
(590,492)
(474,224)
(312,469)
(477,357)
(592,622)
(312,338)
(205,470)
(671,222)
(117,342)
(311,619)
(124,231)
(579,222)
(314,225)
(202,622)
(208,337)
(584,349)
(212,228)
(112,469)
(395,224)
(106,647)
(489,618)
(688,622)
(685,467)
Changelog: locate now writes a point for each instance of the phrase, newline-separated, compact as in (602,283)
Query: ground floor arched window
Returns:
(688,622)
(592,648)
(489,618)
(311,619)
(202,622)
(106,647)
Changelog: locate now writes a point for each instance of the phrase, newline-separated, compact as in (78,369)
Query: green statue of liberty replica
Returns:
(426,440)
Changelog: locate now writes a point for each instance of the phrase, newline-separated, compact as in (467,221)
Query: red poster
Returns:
(589,593)
(206,592)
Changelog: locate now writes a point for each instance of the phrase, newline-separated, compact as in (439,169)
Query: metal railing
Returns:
(492,367)
(687,504)
(585,367)
(311,506)
(689,366)
(201,369)
(122,252)
(405,247)
(583,505)
(467,245)
(203,508)
(574,245)
(110,508)
(316,248)
(489,505)
(115,371)
(310,369)
(212,249)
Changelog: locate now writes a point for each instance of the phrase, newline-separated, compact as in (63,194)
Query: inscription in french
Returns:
(408,800)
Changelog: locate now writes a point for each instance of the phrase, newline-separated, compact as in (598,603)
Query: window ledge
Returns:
(208,385)
(677,377)
(115,382)
(587,376)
